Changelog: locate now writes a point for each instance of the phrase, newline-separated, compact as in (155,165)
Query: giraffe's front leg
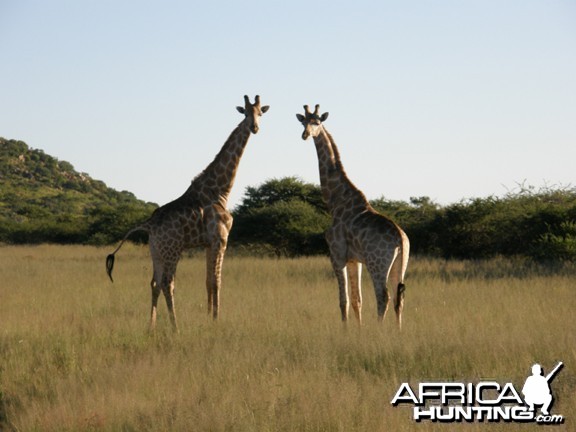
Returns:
(355,274)
(209,279)
(337,247)
(218,224)
(215,258)
(341,275)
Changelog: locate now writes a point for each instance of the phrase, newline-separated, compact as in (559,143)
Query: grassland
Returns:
(75,354)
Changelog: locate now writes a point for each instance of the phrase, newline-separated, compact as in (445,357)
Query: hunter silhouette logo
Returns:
(536,389)
(488,401)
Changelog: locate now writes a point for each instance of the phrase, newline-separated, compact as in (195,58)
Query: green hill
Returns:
(43,199)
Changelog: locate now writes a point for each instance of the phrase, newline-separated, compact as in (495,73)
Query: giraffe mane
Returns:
(340,166)
(335,151)
(214,161)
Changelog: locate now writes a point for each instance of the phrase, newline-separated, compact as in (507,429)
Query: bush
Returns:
(558,244)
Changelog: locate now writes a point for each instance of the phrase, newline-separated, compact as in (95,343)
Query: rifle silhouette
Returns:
(552,374)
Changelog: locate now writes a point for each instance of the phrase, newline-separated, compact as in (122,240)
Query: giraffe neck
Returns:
(213,185)
(338,191)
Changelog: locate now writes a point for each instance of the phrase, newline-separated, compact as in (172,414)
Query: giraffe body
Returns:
(358,234)
(198,218)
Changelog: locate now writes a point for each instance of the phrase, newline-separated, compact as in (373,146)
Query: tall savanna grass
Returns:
(76,356)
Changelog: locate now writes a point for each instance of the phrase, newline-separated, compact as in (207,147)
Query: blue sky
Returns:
(446,99)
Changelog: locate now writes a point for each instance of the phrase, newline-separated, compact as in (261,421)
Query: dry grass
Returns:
(75,354)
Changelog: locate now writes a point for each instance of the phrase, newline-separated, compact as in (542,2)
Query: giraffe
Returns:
(358,234)
(197,218)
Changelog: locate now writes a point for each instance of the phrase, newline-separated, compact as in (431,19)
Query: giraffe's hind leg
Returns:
(163,281)
(382,297)
(380,269)
(155,294)
(168,290)
(379,279)
(342,276)
(355,274)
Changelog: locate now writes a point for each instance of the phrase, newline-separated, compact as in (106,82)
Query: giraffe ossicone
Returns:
(198,218)
(358,234)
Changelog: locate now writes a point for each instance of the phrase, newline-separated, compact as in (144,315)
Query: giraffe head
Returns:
(253,112)
(312,122)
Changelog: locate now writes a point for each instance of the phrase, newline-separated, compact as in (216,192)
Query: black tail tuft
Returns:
(399,305)
(110,265)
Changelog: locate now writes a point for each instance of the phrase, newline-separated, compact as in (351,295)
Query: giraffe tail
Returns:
(111,257)
(110,265)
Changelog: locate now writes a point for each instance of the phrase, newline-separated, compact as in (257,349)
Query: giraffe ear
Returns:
(300,118)
(265,108)
(241,110)
(324,117)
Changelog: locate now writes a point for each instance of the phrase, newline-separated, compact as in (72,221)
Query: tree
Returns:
(277,190)
(285,215)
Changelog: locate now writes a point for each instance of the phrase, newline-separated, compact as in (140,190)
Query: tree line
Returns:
(287,217)
(43,199)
